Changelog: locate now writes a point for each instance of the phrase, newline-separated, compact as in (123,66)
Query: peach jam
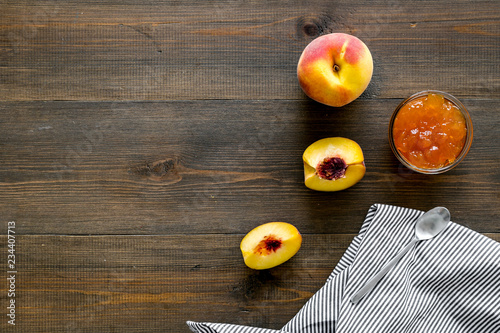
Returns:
(429,131)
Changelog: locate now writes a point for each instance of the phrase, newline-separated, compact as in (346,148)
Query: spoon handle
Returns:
(376,278)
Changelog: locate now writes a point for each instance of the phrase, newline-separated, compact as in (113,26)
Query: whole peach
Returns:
(335,69)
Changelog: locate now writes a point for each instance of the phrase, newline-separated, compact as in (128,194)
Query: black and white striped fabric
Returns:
(450,283)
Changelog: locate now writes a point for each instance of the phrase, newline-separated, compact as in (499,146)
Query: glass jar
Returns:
(429,137)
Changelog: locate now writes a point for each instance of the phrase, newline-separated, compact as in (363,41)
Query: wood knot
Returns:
(314,25)
(163,169)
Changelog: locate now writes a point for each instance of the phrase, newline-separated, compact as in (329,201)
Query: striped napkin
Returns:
(450,283)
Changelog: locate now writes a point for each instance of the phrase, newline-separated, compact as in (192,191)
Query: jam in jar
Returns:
(430,131)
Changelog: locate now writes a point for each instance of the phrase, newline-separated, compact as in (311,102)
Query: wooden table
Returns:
(140,140)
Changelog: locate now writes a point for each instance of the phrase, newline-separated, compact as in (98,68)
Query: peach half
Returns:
(335,69)
(333,164)
(270,245)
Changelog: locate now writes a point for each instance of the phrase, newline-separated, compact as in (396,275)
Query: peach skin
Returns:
(335,69)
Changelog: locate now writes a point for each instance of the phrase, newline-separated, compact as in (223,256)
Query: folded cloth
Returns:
(450,283)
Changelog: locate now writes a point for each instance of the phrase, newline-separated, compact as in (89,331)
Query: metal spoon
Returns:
(427,226)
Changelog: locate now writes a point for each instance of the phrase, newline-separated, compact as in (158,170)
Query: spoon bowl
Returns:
(432,223)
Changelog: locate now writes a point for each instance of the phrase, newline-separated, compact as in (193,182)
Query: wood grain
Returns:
(139,142)
(156,283)
(155,50)
(217,166)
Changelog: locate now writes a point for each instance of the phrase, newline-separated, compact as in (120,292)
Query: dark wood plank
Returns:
(156,283)
(218,166)
(155,50)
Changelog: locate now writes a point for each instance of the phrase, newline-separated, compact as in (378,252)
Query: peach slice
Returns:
(333,164)
(270,245)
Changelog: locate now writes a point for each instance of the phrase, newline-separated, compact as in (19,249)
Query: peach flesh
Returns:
(270,245)
(333,164)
